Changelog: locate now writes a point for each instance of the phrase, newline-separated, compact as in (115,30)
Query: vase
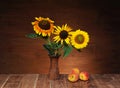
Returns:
(54,68)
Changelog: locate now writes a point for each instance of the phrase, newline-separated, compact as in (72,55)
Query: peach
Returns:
(75,71)
(73,77)
(84,76)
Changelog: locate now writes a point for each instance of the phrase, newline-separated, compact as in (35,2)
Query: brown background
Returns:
(100,19)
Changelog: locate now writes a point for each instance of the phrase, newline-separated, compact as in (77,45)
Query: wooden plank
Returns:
(115,80)
(91,83)
(106,80)
(85,84)
(98,82)
(43,81)
(28,81)
(13,81)
(110,80)
(60,83)
(117,77)
(73,84)
(64,81)
(3,79)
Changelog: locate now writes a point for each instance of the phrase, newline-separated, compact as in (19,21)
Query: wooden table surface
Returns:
(42,81)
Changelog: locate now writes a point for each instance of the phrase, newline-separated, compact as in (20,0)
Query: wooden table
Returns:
(42,81)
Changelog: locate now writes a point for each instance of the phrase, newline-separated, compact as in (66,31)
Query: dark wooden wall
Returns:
(19,54)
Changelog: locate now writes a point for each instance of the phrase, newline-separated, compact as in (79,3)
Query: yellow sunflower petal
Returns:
(56,38)
(61,41)
(64,26)
(59,28)
(49,20)
(37,18)
(49,34)
(44,34)
(67,41)
(32,23)
(41,18)
(56,31)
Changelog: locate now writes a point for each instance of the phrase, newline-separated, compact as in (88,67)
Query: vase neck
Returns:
(54,56)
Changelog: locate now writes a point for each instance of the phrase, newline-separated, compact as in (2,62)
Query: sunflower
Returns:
(43,26)
(79,39)
(62,34)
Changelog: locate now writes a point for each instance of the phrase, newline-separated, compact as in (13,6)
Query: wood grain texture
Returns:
(3,79)
(42,81)
(28,81)
(13,81)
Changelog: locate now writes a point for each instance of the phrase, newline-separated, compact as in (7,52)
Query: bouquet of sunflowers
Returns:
(60,39)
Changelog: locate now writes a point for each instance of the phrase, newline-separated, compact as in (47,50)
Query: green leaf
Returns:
(58,46)
(32,35)
(67,49)
(55,45)
(47,46)
(49,49)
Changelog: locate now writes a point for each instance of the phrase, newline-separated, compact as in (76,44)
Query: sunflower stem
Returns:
(48,41)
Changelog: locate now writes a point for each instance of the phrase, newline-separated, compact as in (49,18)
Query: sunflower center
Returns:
(79,39)
(63,34)
(44,24)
